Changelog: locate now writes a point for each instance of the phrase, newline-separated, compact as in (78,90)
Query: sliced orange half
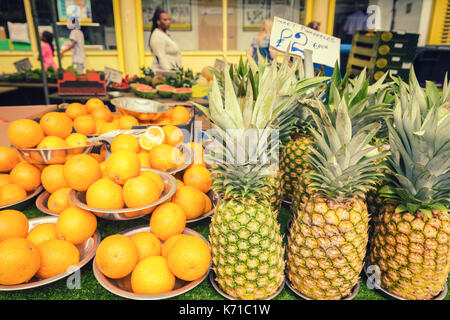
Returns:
(153,136)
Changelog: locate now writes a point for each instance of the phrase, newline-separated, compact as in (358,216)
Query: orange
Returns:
(85,124)
(20,261)
(42,232)
(180,115)
(102,114)
(8,159)
(208,203)
(163,121)
(198,177)
(153,136)
(52,142)
(94,103)
(147,244)
(198,153)
(122,165)
(11,193)
(152,276)
(56,257)
(127,122)
(144,158)
(13,224)
(103,169)
(104,194)
(25,133)
(56,124)
(4,179)
(52,178)
(156,178)
(167,245)
(189,258)
(107,127)
(59,200)
(26,175)
(125,142)
(165,157)
(140,191)
(80,171)
(75,110)
(116,256)
(167,220)
(173,135)
(76,140)
(191,200)
(180,184)
(75,225)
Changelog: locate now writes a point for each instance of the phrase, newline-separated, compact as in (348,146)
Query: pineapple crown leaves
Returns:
(419,162)
(343,160)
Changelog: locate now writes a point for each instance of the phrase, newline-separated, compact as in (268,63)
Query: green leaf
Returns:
(400,208)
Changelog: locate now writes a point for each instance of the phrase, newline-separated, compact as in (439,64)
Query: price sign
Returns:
(113,75)
(294,38)
(23,65)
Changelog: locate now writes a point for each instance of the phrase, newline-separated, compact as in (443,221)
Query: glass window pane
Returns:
(195,24)
(247,18)
(98,34)
(13,11)
(349,16)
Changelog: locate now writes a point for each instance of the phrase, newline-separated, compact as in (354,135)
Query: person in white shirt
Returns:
(166,52)
(76,45)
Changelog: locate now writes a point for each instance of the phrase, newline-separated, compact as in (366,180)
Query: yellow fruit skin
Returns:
(122,165)
(104,194)
(13,224)
(71,221)
(50,255)
(16,269)
(152,276)
(140,191)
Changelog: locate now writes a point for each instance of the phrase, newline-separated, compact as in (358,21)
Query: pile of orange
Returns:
(17,177)
(46,250)
(149,262)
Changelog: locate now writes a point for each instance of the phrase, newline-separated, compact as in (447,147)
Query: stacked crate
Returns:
(382,51)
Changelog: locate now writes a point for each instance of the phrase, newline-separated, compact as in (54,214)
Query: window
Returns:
(99,33)
(349,16)
(13,28)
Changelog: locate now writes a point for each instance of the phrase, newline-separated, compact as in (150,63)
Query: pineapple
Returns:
(291,85)
(246,243)
(366,104)
(411,238)
(328,233)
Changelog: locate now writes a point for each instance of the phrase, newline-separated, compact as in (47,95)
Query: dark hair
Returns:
(48,38)
(156,17)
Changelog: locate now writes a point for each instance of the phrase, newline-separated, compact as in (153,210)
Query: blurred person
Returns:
(167,54)
(314,25)
(76,45)
(262,42)
(48,50)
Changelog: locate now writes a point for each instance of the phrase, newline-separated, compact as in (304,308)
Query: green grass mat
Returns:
(90,289)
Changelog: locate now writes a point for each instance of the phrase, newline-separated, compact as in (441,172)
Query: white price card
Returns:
(294,39)
(113,75)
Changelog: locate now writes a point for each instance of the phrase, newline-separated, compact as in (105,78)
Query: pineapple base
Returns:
(326,247)
(412,252)
(247,249)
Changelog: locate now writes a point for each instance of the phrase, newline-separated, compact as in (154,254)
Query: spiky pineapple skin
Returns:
(326,247)
(275,193)
(247,249)
(412,252)
(293,161)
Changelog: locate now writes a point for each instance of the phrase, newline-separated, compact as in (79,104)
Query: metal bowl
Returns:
(142,109)
(87,251)
(121,288)
(22,204)
(212,279)
(440,296)
(42,204)
(53,156)
(353,294)
(170,185)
